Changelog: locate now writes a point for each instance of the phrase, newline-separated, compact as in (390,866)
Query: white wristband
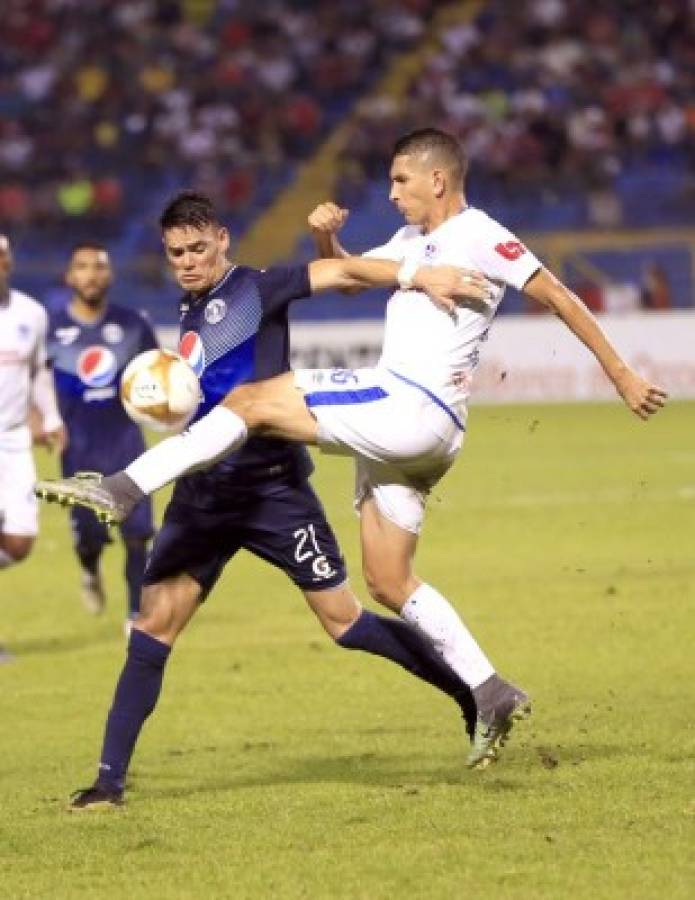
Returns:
(406,274)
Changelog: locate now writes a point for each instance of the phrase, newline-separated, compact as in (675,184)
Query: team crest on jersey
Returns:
(23,332)
(112,333)
(97,366)
(431,250)
(192,350)
(215,311)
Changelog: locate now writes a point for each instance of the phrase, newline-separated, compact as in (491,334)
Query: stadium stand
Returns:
(574,116)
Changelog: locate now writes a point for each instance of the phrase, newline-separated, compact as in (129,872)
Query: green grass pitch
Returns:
(279,766)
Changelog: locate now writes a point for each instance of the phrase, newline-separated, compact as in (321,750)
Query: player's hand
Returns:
(55,441)
(327,218)
(642,397)
(450,287)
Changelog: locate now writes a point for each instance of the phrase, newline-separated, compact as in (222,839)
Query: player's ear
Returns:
(224,238)
(438,182)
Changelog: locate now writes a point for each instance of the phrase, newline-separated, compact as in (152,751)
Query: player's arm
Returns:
(52,432)
(325,222)
(643,398)
(445,285)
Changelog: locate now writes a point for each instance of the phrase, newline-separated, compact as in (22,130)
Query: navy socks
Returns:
(398,641)
(136,696)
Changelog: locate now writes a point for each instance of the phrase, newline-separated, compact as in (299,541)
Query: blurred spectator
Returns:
(655,288)
(142,94)
(561,97)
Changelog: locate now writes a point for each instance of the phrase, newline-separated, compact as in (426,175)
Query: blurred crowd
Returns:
(101,102)
(550,96)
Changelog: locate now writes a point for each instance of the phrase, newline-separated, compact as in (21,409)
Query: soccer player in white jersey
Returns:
(403,420)
(25,381)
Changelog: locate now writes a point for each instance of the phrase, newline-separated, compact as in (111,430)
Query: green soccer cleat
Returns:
(84,489)
(494,723)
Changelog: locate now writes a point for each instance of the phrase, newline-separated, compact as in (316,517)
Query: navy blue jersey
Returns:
(88,360)
(238,332)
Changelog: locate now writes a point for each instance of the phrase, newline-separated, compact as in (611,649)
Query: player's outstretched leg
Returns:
(394,639)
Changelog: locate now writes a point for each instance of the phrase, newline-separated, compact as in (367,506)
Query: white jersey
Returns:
(423,342)
(23,327)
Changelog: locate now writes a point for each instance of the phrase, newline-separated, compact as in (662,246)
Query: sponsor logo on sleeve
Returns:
(511,250)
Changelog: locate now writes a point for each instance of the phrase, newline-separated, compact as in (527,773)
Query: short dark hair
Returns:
(88,245)
(189,208)
(443,145)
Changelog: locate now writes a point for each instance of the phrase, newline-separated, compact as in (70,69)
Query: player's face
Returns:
(5,264)
(415,187)
(90,275)
(197,256)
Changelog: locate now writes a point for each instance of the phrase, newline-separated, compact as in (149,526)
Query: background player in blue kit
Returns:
(234,328)
(90,342)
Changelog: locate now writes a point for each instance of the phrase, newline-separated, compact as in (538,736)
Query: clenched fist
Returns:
(327,218)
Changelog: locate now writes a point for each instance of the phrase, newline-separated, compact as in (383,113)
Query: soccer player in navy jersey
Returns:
(234,329)
(90,342)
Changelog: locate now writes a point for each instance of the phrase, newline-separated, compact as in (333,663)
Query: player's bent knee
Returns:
(166,607)
(17,548)
(158,615)
(337,610)
(388,589)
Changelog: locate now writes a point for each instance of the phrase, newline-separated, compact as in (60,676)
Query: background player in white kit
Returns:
(403,420)
(25,381)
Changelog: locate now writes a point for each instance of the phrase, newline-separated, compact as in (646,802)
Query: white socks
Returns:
(213,436)
(6,560)
(434,617)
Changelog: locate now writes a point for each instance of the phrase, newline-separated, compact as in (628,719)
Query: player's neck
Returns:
(219,276)
(450,206)
(85,312)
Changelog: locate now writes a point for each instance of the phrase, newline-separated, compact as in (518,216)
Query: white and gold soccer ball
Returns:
(160,390)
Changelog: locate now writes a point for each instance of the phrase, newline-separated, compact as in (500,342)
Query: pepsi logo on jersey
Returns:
(97,366)
(192,350)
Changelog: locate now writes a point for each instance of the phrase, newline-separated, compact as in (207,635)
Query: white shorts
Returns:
(404,438)
(19,512)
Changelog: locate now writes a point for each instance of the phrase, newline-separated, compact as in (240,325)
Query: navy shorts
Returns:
(88,532)
(283,523)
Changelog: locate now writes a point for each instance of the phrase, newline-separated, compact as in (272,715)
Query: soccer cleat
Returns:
(509,704)
(83,489)
(94,798)
(93,595)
